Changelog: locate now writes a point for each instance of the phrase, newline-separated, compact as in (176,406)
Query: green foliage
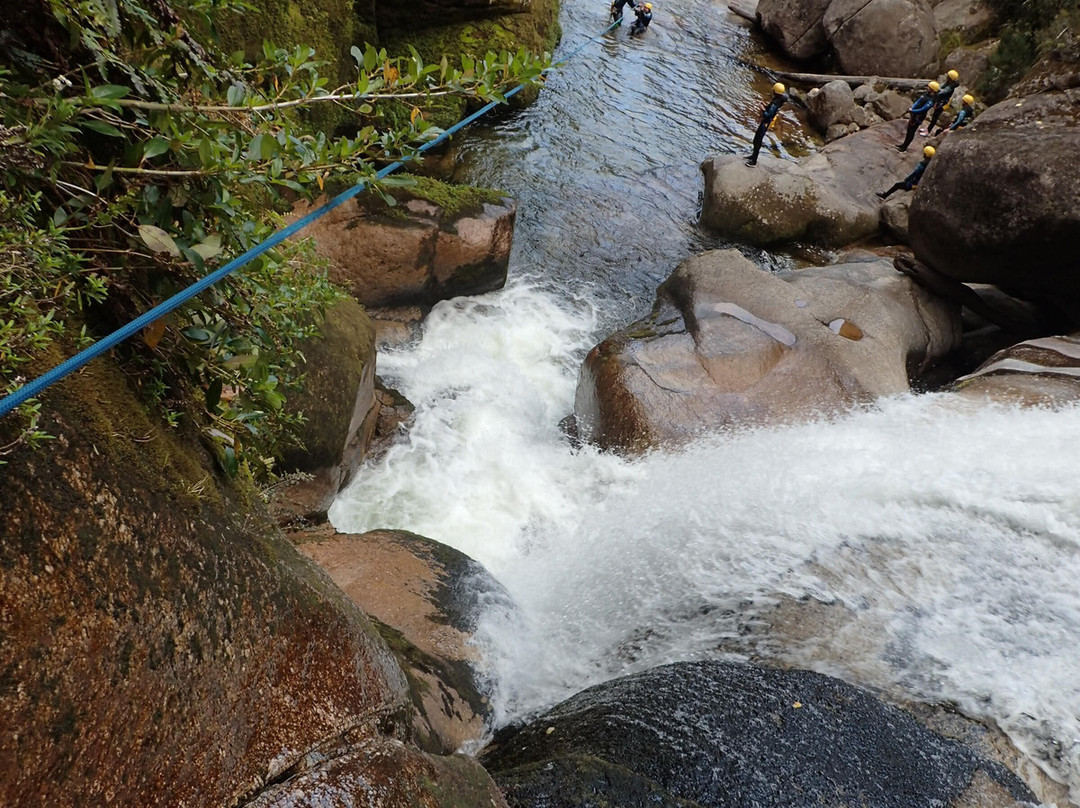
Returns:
(130,176)
(1029,29)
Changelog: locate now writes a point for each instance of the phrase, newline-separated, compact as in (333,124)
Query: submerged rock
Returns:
(731,735)
(728,343)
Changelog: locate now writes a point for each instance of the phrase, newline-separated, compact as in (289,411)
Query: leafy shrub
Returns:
(138,158)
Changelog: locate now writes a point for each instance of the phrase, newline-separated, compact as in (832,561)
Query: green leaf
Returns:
(102,128)
(235,95)
(108,91)
(196,334)
(158,240)
(155,147)
(370,58)
(208,248)
(358,55)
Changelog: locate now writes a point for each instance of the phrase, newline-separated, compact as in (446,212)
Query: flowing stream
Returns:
(923,548)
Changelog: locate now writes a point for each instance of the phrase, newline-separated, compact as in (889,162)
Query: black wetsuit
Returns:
(617,7)
(778,100)
(642,22)
(940,100)
(910,181)
(963,118)
(917,111)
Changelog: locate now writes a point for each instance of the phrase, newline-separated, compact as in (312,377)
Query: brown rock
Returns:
(1040,372)
(423,596)
(827,198)
(730,344)
(795,27)
(162,643)
(416,253)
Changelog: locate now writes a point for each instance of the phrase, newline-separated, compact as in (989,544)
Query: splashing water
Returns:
(925,548)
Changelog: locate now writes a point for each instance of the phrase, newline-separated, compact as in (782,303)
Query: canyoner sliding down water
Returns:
(917,546)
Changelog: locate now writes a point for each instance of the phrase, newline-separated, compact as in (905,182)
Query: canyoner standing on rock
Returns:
(768,115)
(644,17)
(911,180)
(917,113)
(963,117)
(941,100)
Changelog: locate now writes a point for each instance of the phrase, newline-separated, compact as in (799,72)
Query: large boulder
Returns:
(163,643)
(729,735)
(827,198)
(994,208)
(970,19)
(830,104)
(437,242)
(795,27)
(425,598)
(882,37)
(728,343)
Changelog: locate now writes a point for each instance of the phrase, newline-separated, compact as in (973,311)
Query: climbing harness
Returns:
(36,386)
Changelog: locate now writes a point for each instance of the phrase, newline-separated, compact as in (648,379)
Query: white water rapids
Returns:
(945,538)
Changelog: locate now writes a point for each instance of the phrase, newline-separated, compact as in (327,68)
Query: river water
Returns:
(933,549)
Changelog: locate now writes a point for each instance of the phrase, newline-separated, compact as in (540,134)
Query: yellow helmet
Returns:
(928,151)
(968,99)
(778,88)
(648,6)
(933,86)
(953,75)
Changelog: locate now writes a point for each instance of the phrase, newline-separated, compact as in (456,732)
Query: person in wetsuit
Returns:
(912,179)
(779,98)
(617,7)
(918,111)
(963,117)
(941,100)
(644,17)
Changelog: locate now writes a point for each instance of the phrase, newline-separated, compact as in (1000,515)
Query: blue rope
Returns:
(37,386)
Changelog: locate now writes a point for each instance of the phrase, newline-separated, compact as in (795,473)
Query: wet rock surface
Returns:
(730,735)
(730,344)
(425,598)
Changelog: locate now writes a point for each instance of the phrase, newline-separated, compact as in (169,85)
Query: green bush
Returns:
(140,158)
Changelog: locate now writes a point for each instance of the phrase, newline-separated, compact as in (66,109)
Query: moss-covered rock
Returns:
(162,642)
(437,242)
(338,402)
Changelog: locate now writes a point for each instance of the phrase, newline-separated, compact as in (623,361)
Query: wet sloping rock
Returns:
(882,37)
(162,642)
(423,250)
(827,198)
(730,735)
(728,343)
(425,598)
(992,211)
(339,405)
(383,773)
(1039,372)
